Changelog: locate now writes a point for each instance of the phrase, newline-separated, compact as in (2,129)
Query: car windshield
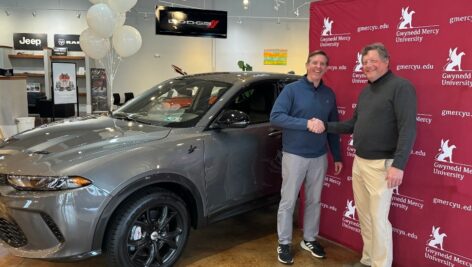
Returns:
(174,103)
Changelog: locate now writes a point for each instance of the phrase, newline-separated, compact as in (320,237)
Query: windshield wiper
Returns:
(123,116)
(130,117)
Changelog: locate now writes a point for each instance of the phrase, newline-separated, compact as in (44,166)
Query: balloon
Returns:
(120,19)
(94,45)
(126,41)
(97,1)
(121,5)
(100,19)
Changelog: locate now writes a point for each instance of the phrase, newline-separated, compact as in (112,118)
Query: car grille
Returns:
(11,234)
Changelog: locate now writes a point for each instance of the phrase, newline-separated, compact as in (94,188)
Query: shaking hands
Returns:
(315,125)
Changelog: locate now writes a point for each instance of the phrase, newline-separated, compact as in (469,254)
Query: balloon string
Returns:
(110,63)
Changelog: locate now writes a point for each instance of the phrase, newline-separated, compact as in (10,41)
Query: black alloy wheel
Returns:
(150,231)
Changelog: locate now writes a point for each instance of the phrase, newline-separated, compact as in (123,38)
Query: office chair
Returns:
(128,96)
(116,99)
(45,110)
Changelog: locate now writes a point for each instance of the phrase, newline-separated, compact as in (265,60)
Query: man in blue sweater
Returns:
(304,152)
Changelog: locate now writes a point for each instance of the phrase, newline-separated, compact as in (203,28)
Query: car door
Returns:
(243,164)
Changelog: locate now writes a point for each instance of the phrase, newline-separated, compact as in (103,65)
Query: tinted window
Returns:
(256,100)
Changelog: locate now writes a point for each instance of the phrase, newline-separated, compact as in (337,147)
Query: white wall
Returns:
(245,41)
(248,40)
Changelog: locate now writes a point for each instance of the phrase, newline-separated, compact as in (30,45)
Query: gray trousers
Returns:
(295,171)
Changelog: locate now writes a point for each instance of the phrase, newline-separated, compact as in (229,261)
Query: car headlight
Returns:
(46,183)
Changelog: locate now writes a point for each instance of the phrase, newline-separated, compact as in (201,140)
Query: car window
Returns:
(175,103)
(281,84)
(256,101)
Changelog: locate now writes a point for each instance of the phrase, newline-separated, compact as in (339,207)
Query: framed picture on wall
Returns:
(33,87)
(64,83)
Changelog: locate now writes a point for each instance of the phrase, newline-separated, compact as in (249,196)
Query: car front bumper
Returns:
(50,225)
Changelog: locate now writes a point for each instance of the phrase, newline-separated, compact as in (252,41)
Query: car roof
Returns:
(236,77)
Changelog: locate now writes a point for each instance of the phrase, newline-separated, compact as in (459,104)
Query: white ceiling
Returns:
(257,8)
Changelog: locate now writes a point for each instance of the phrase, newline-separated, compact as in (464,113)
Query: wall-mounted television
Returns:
(191,22)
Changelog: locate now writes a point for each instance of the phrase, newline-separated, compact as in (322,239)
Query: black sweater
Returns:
(384,121)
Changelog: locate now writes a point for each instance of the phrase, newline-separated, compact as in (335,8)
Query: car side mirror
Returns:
(231,119)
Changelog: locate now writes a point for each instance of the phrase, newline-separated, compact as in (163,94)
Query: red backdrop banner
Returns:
(430,44)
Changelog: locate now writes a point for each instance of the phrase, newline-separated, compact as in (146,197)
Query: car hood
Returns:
(48,149)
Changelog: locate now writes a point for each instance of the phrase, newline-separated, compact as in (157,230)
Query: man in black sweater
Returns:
(384,130)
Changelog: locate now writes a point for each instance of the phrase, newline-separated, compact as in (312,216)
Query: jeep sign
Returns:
(30,41)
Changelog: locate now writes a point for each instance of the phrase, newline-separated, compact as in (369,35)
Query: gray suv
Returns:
(188,152)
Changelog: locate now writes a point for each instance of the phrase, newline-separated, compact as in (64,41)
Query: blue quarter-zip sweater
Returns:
(297,103)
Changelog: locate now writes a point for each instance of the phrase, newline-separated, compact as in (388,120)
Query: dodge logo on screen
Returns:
(209,24)
(191,22)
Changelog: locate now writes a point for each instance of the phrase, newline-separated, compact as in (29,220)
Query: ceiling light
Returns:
(246,4)
(239,21)
(277,4)
(34,13)
(79,14)
(297,13)
(7,12)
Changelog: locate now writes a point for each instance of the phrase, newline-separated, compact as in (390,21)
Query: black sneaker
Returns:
(285,254)
(316,249)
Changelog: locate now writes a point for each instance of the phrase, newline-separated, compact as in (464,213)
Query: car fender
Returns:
(167,181)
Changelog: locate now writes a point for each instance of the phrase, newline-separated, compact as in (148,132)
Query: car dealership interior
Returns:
(245,240)
(138,132)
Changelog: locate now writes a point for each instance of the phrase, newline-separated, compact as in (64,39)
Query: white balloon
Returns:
(126,41)
(100,19)
(120,19)
(98,1)
(94,45)
(121,5)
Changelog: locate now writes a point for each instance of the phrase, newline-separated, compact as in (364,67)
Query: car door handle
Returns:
(275,133)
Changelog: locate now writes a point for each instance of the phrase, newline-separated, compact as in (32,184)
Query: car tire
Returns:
(149,230)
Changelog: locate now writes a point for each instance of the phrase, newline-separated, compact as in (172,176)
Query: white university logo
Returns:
(445,152)
(405,19)
(350,210)
(358,67)
(351,140)
(327,25)
(454,60)
(437,239)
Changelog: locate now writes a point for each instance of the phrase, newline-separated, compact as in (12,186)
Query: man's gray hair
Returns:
(383,53)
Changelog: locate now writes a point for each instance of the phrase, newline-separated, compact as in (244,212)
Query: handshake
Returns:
(315,125)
